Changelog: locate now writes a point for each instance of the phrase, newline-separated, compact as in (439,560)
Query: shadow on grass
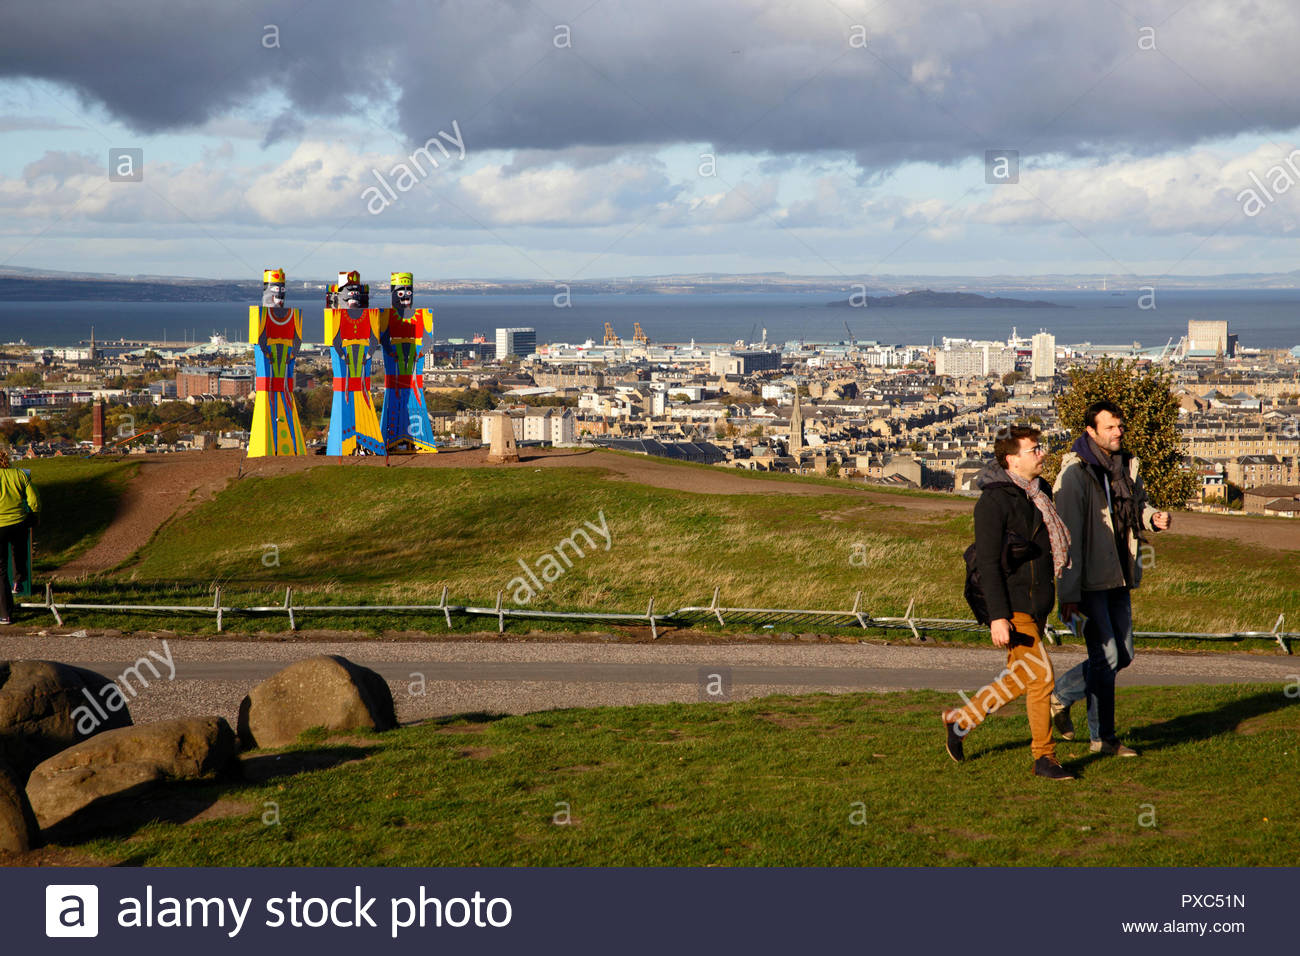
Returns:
(263,767)
(184,802)
(1209,723)
(75,511)
(1186,728)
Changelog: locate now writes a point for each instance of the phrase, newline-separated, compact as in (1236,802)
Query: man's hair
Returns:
(1008,441)
(4,458)
(1096,408)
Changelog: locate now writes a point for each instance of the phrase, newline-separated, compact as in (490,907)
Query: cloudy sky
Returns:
(622,137)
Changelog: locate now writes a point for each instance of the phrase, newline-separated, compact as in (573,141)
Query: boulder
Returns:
(326,691)
(129,761)
(18,829)
(46,706)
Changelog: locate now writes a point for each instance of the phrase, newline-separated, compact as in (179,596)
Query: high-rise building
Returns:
(1208,337)
(974,361)
(518,342)
(1043,362)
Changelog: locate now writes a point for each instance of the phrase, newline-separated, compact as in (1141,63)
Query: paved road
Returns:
(801,676)
(434,679)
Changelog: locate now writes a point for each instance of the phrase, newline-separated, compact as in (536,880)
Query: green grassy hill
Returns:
(342,535)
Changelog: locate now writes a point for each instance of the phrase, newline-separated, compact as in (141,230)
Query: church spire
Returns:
(796,426)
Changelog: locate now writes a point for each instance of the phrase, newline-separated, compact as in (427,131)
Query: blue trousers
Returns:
(1109,637)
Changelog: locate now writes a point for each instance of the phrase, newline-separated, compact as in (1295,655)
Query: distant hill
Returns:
(925,299)
(62,290)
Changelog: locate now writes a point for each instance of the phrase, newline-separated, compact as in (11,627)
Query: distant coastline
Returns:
(927,299)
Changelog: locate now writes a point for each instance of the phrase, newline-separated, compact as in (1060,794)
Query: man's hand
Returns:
(1161,520)
(1000,630)
(1068,611)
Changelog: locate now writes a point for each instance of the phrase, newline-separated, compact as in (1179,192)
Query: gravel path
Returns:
(446,677)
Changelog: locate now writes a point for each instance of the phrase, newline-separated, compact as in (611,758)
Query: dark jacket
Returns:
(1082,503)
(1004,514)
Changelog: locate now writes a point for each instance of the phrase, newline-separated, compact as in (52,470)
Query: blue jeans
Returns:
(1109,636)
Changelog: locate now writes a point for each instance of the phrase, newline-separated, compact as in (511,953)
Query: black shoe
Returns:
(954,741)
(1051,768)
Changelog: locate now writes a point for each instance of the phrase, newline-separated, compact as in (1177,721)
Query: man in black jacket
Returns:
(1021,545)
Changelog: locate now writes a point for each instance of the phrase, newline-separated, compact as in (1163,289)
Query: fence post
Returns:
(650,613)
(49,603)
(501,618)
(216,603)
(1280,632)
(907,617)
(714,606)
(288,606)
(857,599)
(446,612)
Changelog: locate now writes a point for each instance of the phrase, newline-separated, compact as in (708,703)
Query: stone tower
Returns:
(503,449)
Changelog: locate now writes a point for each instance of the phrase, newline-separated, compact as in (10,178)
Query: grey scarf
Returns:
(1057,532)
(1123,505)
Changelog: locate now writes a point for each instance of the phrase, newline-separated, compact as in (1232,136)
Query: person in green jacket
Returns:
(19,507)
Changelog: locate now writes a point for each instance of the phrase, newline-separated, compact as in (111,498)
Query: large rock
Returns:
(125,762)
(18,830)
(46,706)
(326,691)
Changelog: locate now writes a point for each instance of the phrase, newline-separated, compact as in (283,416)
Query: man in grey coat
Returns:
(1100,497)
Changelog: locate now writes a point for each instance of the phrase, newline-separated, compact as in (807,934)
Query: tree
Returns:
(1150,424)
(1012,377)
(27,378)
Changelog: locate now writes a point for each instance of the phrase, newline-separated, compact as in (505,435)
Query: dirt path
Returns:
(163,486)
(170,484)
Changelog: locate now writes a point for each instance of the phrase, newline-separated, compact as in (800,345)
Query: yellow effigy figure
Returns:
(276,335)
(352,332)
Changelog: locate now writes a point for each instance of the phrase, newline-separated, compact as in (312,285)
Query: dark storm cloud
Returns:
(935,82)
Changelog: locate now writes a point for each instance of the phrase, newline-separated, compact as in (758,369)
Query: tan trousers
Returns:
(1028,672)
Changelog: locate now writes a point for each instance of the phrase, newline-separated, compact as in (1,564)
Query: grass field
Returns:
(370,536)
(852,780)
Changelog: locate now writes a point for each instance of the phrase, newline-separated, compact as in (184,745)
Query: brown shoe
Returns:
(1111,748)
(1061,719)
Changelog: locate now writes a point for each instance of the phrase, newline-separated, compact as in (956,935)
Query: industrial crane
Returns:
(610,337)
(638,335)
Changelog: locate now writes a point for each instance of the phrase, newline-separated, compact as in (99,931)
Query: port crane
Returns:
(638,334)
(852,338)
(610,337)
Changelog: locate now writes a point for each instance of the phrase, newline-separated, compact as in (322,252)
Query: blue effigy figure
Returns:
(402,329)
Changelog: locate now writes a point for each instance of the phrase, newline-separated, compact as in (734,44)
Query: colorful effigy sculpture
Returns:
(352,331)
(402,329)
(275,333)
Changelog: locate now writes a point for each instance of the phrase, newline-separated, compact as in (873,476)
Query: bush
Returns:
(1150,424)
